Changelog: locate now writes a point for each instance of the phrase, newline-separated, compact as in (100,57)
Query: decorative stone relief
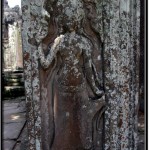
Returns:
(80,76)
(72,111)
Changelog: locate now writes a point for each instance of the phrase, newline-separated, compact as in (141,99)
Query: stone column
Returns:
(12,40)
(18,45)
(121,54)
(31,11)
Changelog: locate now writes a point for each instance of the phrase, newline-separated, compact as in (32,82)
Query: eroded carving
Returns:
(72,96)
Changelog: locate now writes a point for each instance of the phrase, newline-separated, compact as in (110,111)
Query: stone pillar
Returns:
(102,37)
(12,52)
(31,11)
(18,43)
(121,54)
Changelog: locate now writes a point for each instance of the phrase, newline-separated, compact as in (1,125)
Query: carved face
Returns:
(71,14)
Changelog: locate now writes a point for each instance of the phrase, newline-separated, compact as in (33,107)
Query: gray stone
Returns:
(14,112)
(8,144)
(24,139)
(14,117)
(105,36)
(12,130)
(17,146)
(13,123)
(14,109)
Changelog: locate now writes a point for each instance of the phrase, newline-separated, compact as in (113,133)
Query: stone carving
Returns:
(71,113)
(107,32)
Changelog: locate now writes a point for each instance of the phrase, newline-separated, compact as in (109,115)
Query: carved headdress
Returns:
(70,13)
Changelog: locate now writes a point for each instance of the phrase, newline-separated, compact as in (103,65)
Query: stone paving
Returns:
(15,131)
(13,123)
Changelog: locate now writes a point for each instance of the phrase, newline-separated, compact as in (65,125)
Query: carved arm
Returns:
(89,73)
(96,75)
(46,61)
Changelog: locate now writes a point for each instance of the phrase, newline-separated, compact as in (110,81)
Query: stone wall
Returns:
(118,26)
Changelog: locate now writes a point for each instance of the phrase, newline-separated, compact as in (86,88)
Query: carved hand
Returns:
(98,92)
(46,61)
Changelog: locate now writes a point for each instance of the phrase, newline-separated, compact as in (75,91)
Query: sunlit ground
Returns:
(15,117)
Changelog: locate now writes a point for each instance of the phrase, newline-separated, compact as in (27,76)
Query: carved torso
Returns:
(71,51)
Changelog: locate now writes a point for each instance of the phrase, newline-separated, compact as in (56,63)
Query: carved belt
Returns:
(71,89)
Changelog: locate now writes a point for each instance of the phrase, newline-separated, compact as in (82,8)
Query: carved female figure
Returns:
(71,110)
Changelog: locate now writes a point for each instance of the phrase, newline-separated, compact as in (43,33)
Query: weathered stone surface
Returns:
(15,117)
(12,130)
(80,94)
(13,122)
(141,131)
(22,141)
(121,54)
(9,144)
(14,113)
(12,107)
(74,52)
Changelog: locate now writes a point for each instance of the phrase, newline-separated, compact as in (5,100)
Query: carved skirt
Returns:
(73,128)
(73,118)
